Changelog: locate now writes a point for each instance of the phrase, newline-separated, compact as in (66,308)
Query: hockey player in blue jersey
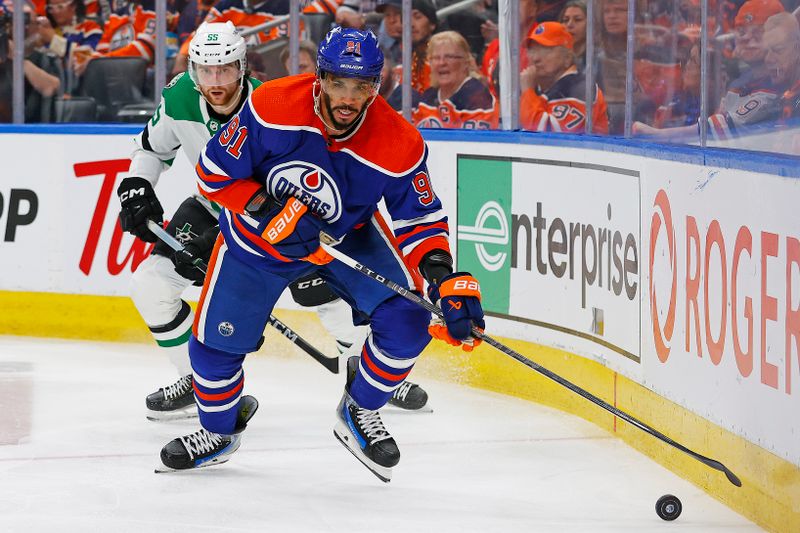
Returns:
(194,106)
(310,154)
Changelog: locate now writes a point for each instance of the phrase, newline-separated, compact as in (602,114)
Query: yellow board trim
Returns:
(770,495)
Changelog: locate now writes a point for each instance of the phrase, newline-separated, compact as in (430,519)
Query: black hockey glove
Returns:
(139,204)
(188,260)
(260,204)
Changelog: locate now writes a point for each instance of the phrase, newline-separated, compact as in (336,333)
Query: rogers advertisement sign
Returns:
(724,302)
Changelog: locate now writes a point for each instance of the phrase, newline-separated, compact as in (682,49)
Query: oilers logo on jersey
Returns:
(308,183)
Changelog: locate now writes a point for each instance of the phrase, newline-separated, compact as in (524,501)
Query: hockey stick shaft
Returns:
(331,363)
(402,291)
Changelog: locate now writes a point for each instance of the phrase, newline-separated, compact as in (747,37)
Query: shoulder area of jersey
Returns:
(387,140)
(286,101)
(180,78)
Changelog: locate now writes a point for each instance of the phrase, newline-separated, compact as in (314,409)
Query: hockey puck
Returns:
(669,507)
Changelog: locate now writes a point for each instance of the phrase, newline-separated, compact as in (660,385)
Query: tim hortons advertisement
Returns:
(721,321)
(556,246)
(59,209)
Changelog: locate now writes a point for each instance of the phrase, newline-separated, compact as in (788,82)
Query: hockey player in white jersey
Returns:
(194,106)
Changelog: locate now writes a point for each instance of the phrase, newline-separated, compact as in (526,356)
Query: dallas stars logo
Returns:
(212,126)
(185,234)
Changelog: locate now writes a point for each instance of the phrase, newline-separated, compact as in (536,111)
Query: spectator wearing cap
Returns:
(748,31)
(423,24)
(553,89)
(457,98)
(753,104)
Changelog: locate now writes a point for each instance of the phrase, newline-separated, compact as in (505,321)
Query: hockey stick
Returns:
(331,363)
(402,291)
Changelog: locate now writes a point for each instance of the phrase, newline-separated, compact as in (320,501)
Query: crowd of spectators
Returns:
(751,78)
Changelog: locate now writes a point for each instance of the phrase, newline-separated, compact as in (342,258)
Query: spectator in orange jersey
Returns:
(457,98)
(69,35)
(130,32)
(554,90)
(244,14)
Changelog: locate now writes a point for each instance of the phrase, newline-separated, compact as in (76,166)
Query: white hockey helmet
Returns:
(213,44)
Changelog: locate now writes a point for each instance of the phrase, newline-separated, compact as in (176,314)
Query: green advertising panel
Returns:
(484,227)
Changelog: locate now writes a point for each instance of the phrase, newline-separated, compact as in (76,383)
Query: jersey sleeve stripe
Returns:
(436,216)
(227,192)
(411,231)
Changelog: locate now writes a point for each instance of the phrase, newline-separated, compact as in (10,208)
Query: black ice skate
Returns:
(411,397)
(362,432)
(408,396)
(173,402)
(204,448)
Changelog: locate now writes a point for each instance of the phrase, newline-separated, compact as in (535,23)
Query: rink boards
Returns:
(665,281)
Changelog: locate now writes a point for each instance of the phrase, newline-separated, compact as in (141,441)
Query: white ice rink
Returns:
(480,462)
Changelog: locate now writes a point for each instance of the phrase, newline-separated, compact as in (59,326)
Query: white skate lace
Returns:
(179,388)
(372,426)
(200,442)
(401,392)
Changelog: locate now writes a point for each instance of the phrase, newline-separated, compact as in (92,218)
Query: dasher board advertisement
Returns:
(555,245)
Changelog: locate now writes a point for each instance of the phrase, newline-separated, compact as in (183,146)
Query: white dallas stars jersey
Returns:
(183,119)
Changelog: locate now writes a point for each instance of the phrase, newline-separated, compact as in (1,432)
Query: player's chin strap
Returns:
(316,93)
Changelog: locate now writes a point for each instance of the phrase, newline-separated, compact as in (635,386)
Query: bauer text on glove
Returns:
(294,233)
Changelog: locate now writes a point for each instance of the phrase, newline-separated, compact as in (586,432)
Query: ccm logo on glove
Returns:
(133,193)
(284,223)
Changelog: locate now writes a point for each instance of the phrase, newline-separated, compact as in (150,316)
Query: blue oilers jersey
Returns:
(278,141)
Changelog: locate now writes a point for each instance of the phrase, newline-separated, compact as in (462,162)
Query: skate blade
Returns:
(342,435)
(164,469)
(167,416)
(392,408)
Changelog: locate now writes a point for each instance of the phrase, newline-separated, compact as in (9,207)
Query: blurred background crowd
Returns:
(710,72)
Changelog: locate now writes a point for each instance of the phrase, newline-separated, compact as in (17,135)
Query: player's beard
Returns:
(340,126)
(222,97)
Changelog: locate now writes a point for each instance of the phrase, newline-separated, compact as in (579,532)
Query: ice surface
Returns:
(480,462)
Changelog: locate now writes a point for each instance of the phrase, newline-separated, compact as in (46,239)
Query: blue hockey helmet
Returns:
(350,53)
